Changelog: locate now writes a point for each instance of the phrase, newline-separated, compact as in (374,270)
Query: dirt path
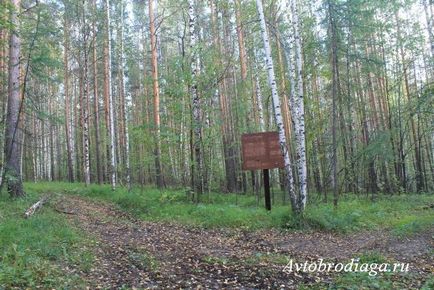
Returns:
(141,254)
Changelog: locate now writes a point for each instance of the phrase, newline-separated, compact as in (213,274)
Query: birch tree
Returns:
(69,144)
(298,111)
(277,111)
(96,98)
(124,106)
(109,98)
(85,98)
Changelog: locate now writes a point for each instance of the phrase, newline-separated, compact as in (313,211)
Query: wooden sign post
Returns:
(262,151)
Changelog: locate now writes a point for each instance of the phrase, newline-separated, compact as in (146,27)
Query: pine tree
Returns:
(12,144)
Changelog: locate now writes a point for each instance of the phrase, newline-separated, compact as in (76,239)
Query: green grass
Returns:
(33,250)
(173,206)
(362,280)
(402,214)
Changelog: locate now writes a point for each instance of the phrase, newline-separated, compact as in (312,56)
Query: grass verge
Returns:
(402,214)
(33,250)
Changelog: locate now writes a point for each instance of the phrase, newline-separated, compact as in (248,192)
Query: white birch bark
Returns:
(85,103)
(69,146)
(44,150)
(111,101)
(125,116)
(277,109)
(298,114)
(72,129)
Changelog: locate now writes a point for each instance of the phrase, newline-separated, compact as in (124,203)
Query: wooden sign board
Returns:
(261,151)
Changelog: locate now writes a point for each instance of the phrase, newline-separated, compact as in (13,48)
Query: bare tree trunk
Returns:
(334,60)
(197,178)
(277,111)
(85,99)
(243,65)
(99,172)
(145,115)
(51,134)
(3,79)
(226,130)
(298,114)
(285,107)
(69,145)
(109,98)
(124,106)
(12,144)
(156,89)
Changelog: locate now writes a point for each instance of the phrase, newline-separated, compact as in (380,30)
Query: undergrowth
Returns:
(402,214)
(33,250)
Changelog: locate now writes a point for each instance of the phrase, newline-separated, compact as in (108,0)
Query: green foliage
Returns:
(400,213)
(33,249)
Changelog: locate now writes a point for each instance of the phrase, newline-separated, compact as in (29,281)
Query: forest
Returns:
(122,143)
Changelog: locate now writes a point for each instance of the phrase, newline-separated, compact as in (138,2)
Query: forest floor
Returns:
(131,253)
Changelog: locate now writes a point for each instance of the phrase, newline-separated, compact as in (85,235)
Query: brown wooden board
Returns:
(261,151)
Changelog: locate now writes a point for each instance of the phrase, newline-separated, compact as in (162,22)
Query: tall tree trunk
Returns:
(124,105)
(197,178)
(99,171)
(12,144)
(85,99)
(226,132)
(156,90)
(298,114)
(285,105)
(416,146)
(243,65)
(51,134)
(109,98)
(3,76)
(277,111)
(69,145)
(335,92)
